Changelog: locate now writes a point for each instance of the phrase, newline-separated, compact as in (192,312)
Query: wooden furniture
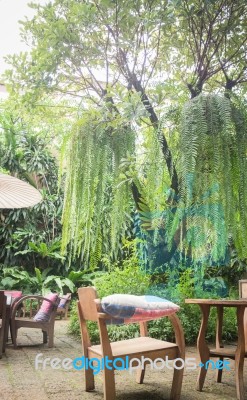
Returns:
(243,295)
(89,308)
(219,351)
(47,327)
(12,297)
(63,311)
(9,301)
(3,299)
(33,307)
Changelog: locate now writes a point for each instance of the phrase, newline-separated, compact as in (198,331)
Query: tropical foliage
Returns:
(142,158)
(30,237)
(41,282)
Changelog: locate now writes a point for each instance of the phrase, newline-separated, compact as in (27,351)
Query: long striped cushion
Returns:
(125,308)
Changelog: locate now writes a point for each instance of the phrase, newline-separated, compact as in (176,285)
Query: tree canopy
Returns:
(143,73)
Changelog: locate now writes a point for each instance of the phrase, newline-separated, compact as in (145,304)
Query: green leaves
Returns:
(97,200)
(213,174)
(40,283)
(44,250)
(127,61)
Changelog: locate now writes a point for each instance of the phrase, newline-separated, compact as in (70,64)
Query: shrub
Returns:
(129,280)
(134,281)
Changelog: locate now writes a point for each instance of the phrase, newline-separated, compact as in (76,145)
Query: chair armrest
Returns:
(179,333)
(105,316)
(101,314)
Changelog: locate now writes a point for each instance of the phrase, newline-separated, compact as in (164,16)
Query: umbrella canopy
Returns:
(15,193)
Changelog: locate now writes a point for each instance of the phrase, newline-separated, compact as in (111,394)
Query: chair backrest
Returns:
(243,295)
(243,289)
(88,306)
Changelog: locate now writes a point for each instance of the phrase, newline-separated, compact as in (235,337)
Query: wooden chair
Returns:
(219,345)
(3,321)
(61,311)
(243,295)
(89,309)
(47,327)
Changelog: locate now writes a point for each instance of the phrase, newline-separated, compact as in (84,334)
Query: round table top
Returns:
(218,302)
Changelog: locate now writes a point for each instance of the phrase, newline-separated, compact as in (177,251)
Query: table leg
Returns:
(202,345)
(240,353)
(219,339)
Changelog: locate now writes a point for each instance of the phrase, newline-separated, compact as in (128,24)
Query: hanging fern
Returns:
(213,175)
(92,157)
(103,159)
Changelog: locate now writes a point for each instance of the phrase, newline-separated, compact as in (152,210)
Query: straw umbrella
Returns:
(15,193)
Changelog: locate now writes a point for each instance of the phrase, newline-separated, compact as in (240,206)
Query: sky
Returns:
(11,11)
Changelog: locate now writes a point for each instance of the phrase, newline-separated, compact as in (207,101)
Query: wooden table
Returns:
(220,351)
(9,303)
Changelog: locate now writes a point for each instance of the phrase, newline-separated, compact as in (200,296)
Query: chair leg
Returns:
(109,384)
(219,372)
(239,363)
(15,340)
(11,333)
(44,336)
(2,341)
(14,333)
(51,337)
(176,384)
(140,373)
(2,347)
(239,355)
(89,379)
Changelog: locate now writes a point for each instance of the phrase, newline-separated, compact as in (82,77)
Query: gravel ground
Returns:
(19,380)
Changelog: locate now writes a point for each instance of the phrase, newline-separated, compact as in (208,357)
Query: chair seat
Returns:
(224,352)
(29,323)
(137,347)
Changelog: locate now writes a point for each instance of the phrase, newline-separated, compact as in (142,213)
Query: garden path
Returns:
(19,380)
